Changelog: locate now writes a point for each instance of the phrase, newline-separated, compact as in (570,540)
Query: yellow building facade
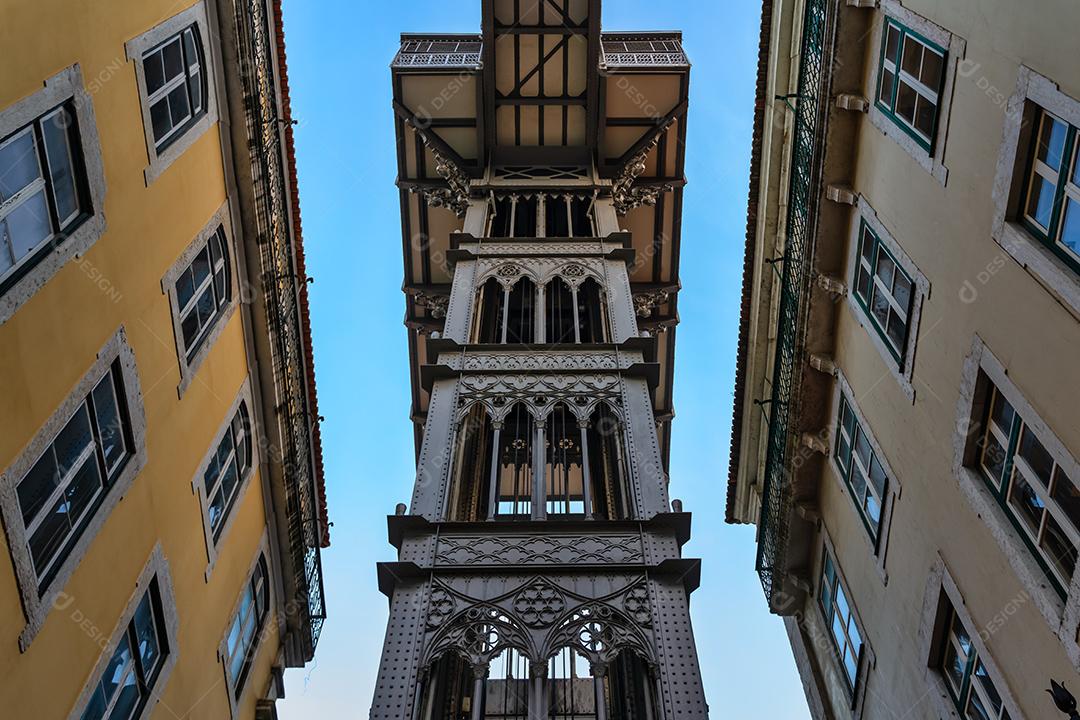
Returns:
(160,471)
(906,429)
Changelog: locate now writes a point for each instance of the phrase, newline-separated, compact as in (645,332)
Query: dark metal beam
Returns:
(432,137)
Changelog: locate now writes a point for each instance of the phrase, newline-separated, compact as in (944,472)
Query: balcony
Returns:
(439,52)
(643,50)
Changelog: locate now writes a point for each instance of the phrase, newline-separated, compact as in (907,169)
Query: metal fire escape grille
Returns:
(283,313)
(439,52)
(802,202)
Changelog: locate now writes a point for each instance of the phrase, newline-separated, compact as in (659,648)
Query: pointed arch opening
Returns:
(448,689)
(503,316)
(469,499)
(573,686)
(630,688)
(564,466)
(608,470)
(560,312)
(592,313)
(506,690)
(513,479)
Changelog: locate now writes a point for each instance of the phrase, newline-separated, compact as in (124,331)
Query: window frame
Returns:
(854,687)
(875,286)
(38,598)
(889,109)
(1062,615)
(161,158)
(262,561)
(941,601)
(1066,189)
(954,47)
(154,580)
(190,363)
(901,365)
(215,537)
(1026,243)
(73,238)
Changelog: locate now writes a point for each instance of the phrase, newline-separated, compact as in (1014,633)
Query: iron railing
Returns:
(643,50)
(794,287)
(281,287)
(433,52)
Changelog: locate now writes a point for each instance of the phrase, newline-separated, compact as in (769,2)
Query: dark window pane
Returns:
(185,288)
(931,70)
(994,459)
(73,440)
(18,165)
(146,636)
(892,42)
(858,484)
(200,267)
(887,82)
(49,536)
(128,700)
(954,667)
(159,119)
(896,331)
(189,328)
(95,710)
(913,52)
(83,490)
(880,307)
(216,509)
(901,291)
(1041,202)
(206,306)
(885,269)
(924,116)
(189,48)
(195,87)
(1036,456)
(154,72)
(110,429)
(173,59)
(905,102)
(862,286)
(58,150)
(36,487)
(1067,497)
(29,225)
(178,106)
(1056,544)
(1002,413)
(1026,503)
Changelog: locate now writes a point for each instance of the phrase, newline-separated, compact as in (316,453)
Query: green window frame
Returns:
(1040,500)
(966,677)
(1051,197)
(911,77)
(861,470)
(847,641)
(884,291)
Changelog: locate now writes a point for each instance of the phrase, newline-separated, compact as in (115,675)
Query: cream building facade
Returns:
(906,431)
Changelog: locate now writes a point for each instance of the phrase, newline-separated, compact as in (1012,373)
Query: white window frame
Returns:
(956,47)
(38,604)
(222,219)
(940,584)
(1062,617)
(198,486)
(64,87)
(893,488)
(271,623)
(136,48)
(156,567)
(1032,89)
(904,371)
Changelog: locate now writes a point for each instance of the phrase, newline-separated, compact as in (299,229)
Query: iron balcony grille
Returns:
(439,53)
(794,284)
(280,286)
(643,51)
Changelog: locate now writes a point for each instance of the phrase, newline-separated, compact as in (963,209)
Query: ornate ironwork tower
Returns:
(540,570)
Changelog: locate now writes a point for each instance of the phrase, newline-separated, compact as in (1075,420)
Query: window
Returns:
(571,312)
(43,191)
(551,214)
(861,469)
(1051,208)
(125,687)
(175,85)
(840,619)
(1042,502)
(228,468)
(910,81)
(884,292)
(203,291)
(243,636)
(966,677)
(61,492)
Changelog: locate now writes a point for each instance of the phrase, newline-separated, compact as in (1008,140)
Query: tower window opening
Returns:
(565,472)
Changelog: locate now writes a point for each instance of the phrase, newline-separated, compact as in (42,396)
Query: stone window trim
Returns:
(1032,89)
(37,605)
(931,161)
(135,49)
(156,567)
(222,218)
(940,584)
(270,626)
(198,487)
(841,388)
(65,86)
(868,660)
(903,373)
(1063,617)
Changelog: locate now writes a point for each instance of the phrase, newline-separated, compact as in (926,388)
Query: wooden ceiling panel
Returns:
(461,139)
(440,96)
(617,140)
(579,65)
(577,123)
(642,96)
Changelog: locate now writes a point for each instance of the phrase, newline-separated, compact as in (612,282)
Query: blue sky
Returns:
(345,146)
